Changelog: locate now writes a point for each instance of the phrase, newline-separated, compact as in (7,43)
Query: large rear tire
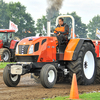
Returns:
(9,79)
(5,54)
(48,75)
(85,66)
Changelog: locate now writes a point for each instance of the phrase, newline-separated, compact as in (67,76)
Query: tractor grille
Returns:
(23,49)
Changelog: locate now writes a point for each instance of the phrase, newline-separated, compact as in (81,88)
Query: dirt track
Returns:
(28,89)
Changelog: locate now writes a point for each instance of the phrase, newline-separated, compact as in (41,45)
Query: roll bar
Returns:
(73,22)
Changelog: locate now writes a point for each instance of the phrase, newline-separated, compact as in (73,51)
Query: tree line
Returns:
(16,12)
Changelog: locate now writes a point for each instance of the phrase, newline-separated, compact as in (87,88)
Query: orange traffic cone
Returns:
(74,88)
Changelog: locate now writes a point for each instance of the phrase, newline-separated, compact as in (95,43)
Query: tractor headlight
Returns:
(31,49)
(17,49)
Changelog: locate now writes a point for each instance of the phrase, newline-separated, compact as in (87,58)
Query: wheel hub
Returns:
(85,64)
(14,77)
(51,76)
(88,64)
(5,56)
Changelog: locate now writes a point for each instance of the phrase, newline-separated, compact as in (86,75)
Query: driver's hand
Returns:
(59,34)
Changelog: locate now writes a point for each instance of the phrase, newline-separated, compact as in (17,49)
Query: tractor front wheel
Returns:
(48,75)
(85,66)
(9,79)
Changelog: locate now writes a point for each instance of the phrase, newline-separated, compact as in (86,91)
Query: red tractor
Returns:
(7,45)
(39,55)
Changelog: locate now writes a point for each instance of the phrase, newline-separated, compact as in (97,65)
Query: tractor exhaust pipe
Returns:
(48,28)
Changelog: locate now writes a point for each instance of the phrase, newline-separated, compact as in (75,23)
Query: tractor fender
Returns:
(73,48)
(13,44)
(12,48)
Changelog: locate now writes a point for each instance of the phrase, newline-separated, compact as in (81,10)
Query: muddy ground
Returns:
(27,89)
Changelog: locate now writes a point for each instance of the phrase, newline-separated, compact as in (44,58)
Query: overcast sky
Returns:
(86,9)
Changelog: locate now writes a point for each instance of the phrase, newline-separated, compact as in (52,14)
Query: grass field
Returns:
(89,96)
(3,64)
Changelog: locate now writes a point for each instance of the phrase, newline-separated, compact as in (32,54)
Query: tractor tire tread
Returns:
(76,65)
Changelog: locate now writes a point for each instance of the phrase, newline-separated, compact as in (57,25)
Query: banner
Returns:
(98,33)
(13,26)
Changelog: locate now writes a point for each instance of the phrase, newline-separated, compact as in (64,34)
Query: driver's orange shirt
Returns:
(62,29)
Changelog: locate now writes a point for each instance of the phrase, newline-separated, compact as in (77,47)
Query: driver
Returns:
(61,31)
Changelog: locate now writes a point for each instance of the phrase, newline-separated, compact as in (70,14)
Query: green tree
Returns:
(39,26)
(16,12)
(24,20)
(80,28)
(43,21)
(93,24)
(4,15)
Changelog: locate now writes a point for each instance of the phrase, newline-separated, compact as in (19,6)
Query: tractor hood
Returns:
(28,40)
(32,40)
(36,48)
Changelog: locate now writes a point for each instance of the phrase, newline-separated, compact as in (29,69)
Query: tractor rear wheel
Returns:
(9,79)
(48,75)
(5,54)
(85,66)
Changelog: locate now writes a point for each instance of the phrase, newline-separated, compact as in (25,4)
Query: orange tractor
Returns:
(38,55)
(7,45)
